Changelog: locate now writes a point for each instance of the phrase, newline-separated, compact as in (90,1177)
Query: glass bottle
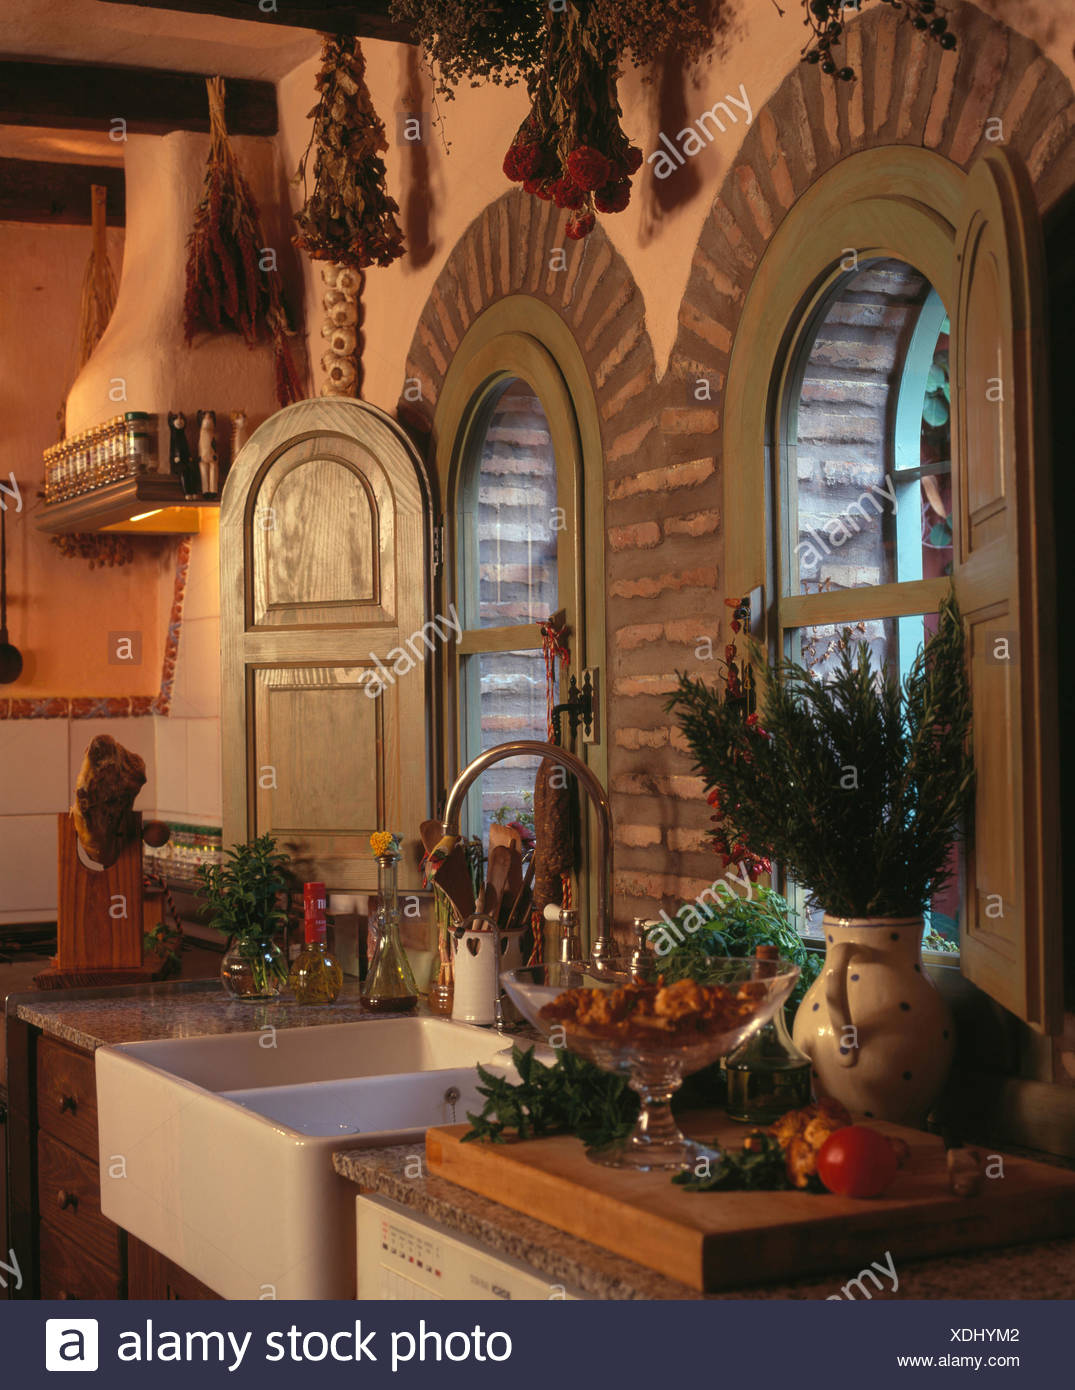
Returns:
(441,991)
(315,977)
(389,986)
(767,1075)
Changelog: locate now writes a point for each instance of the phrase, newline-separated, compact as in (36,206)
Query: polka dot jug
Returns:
(878,1034)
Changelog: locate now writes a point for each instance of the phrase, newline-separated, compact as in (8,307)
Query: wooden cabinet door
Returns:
(1004,581)
(325,643)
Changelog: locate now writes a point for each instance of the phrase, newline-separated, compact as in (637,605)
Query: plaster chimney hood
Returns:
(142,361)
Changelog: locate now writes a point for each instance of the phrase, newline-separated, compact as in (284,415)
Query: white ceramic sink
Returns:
(217,1151)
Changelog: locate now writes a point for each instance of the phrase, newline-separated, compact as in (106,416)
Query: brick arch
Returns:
(518,245)
(909,91)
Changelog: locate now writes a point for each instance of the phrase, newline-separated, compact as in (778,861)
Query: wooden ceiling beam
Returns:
(38,190)
(152,101)
(369,19)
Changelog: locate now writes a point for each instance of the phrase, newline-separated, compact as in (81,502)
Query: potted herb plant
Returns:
(858,785)
(242,895)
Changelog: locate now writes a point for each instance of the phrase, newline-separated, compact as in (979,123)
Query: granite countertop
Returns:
(1041,1270)
(90,1018)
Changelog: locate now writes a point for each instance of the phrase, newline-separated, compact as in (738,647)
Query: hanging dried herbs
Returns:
(349,218)
(571,149)
(228,287)
(825,20)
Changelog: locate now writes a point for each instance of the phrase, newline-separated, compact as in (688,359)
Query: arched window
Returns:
(519,463)
(952,264)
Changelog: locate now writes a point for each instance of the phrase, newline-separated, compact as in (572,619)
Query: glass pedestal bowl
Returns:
(653,1035)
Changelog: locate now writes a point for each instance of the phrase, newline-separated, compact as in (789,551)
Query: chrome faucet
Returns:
(603,949)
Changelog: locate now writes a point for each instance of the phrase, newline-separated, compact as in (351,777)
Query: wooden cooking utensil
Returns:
(520,904)
(497,881)
(453,876)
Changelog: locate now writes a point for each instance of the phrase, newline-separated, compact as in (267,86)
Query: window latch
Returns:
(580,707)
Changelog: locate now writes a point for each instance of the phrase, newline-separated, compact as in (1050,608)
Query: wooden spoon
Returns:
(453,876)
(497,880)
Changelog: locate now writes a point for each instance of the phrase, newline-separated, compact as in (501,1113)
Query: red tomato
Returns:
(857,1162)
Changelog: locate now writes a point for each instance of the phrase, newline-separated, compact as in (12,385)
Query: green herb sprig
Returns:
(760,1168)
(571,1094)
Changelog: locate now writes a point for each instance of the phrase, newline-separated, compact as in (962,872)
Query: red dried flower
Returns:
(582,224)
(633,159)
(567,194)
(522,162)
(613,196)
(589,167)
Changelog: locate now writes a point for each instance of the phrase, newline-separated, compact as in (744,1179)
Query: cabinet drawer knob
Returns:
(66,1199)
(68,1103)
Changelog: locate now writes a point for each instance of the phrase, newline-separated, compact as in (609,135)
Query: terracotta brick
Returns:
(523,211)
(725,224)
(1050,141)
(801,133)
(699,420)
(856,115)
(689,631)
(638,836)
(617,302)
(628,639)
(990,62)
(884,45)
(544,221)
(626,445)
(617,354)
(918,56)
(941,103)
(717,277)
(630,687)
(775,158)
(432,346)
(503,217)
(660,887)
(634,738)
(704,577)
(830,116)
(681,840)
(644,535)
(1030,82)
(693,524)
(470,276)
(486,256)
(600,263)
(634,386)
(576,256)
(665,479)
(704,326)
(449,336)
(652,784)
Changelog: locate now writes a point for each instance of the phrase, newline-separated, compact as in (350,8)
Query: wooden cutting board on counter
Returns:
(719,1240)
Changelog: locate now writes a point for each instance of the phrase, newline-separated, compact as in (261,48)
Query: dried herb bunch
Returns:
(857,784)
(825,20)
(497,41)
(349,217)
(227,287)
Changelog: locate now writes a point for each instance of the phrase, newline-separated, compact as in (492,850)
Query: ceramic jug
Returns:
(878,1034)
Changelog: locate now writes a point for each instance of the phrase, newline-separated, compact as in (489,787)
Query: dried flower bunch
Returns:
(826,23)
(98,549)
(349,217)
(571,149)
(227,288)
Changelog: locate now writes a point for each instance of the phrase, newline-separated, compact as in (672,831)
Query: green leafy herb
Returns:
(571,1094)
(759,1168)
(735,926)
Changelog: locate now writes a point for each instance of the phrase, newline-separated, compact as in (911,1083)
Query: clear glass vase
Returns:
(389,986)
(253,969)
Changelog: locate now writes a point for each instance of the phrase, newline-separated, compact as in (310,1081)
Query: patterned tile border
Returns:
(117,706)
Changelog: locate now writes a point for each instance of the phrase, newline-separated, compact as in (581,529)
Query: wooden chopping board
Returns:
(719,1240)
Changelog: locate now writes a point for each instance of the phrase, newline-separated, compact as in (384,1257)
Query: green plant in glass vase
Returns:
(242,897)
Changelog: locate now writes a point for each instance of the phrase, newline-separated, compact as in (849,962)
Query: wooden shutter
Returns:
(323,599)
(1004,575)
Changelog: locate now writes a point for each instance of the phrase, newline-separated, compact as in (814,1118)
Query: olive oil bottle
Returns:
(767,1075)
(315,977)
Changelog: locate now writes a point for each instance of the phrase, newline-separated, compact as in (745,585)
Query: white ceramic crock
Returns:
(878,1034)
(476,972)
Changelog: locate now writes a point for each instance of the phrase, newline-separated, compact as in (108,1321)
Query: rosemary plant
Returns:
(857,784)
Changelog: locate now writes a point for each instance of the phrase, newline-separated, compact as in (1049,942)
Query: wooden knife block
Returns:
(99,925)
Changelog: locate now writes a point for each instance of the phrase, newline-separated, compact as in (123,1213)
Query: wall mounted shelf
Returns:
(151,504)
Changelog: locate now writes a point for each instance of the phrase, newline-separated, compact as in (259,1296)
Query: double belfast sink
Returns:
(217,1151)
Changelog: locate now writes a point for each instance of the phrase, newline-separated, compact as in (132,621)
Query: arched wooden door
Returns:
(325,642)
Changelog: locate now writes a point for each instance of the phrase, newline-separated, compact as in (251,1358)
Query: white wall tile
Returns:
(28,865)
(203,770)
(136,735)
(35,775)
(197,689)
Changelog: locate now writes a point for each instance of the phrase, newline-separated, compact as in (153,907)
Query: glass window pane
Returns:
(509,519)
(504,700)
(841,500)
(924,451)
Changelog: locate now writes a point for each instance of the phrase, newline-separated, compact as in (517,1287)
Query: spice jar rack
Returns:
(123,447)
